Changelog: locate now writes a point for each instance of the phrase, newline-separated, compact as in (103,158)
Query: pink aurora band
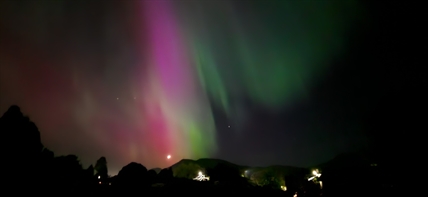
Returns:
(177,113)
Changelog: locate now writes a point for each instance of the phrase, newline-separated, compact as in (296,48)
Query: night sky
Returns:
(252,82)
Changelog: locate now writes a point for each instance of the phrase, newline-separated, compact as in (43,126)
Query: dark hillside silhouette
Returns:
(186,168)
(29,163)
(225,172)
(212,163)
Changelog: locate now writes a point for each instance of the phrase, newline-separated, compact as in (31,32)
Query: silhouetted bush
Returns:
(133,175)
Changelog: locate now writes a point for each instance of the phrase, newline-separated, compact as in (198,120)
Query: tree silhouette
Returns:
(90,170)
(22,136)
(29,162)
(101,167)
(21,148)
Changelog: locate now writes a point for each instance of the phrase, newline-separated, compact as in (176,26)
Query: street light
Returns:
(316,174)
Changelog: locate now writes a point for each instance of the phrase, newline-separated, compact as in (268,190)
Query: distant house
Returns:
(201,177)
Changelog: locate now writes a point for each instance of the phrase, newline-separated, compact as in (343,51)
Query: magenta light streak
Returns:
(168,52)
(164,79)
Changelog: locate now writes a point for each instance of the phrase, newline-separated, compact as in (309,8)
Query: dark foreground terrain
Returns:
(30,168)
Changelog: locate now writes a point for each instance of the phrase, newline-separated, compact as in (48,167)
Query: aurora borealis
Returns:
(140,80)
